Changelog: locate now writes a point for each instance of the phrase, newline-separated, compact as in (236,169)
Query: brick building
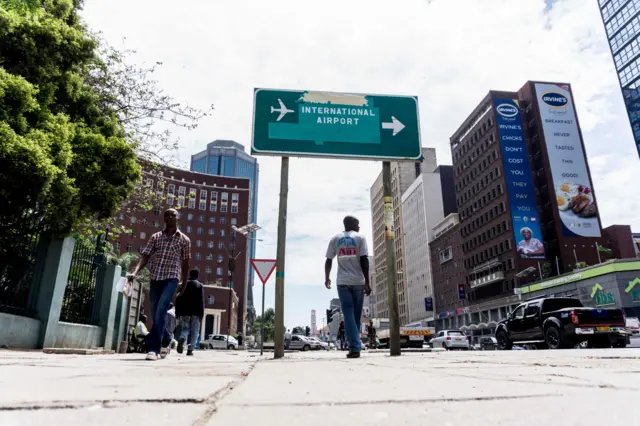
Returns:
(209,206)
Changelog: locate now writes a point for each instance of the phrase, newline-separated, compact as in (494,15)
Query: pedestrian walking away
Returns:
(287,339)
(190,310)
(171,251)
(350,247)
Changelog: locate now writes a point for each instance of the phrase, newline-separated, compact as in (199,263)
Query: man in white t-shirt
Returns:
(353,278)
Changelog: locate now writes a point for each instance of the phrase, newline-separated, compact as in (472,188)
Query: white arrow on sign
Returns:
(264,268)
(395,124)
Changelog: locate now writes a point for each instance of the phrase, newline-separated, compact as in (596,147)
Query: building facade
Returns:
(402,176)
(228,158)
(621,20)
(422,209)
(208,206)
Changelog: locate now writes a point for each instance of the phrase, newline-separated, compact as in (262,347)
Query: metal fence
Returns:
(18,252)
(87,269)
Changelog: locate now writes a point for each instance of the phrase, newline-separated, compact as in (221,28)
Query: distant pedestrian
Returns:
(341,338)
(171,250)
(353,278)
(372,336)
(287,339)
(190,310)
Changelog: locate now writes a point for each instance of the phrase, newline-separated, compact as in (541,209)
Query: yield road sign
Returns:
(264,268)
(335,125)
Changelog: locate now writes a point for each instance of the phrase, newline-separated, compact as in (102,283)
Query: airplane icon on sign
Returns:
(282,110)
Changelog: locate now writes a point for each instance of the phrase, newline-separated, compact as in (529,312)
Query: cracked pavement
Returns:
(585,387)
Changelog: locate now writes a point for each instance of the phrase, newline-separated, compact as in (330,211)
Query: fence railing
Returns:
(18,253)
(87,270)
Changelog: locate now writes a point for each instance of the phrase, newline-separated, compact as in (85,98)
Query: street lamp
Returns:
(245,230)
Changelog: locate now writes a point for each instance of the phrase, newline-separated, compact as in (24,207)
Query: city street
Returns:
(586,387)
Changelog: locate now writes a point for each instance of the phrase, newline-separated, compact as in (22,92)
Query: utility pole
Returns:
(394,319)
(278,332)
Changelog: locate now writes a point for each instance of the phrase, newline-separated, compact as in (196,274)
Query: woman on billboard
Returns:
(529,247)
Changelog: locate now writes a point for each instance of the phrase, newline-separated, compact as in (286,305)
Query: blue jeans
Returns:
(190,325)
(160,296)
(351,299)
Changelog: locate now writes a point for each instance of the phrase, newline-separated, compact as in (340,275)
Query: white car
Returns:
(450,339)
(219,341)
(303,343)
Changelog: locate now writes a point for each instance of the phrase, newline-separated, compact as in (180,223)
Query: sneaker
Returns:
(353,355)
(152,356)
(164,352)
(180,345)
(189,352)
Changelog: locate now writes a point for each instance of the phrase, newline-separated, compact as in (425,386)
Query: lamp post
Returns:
(245,230)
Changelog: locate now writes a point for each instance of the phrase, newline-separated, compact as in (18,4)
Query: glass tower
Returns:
(228,158)
(622,24)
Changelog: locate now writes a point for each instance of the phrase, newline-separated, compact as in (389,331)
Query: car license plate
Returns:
(459,339)
(603,328)
(416,338)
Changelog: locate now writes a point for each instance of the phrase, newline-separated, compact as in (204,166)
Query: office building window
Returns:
(214,196)
(208,270)
(172,189)
(210,256)
(212,219)
(209,299)
(200,231)
(116,246)
(222,232)
(170,199)
(223,207)
(234,196)
(198,257)
(212,231)
(225,197)
(223,220)
(219,271)
(213,207)
(129,248)
(234,221)
(133,219)
(203,194)
(234,208)
(189,229)
(148,183)
(203,205)
(182,190)
(221,245)
(199,243)
(143,235)
(219,259)
(201,219)
(210,244)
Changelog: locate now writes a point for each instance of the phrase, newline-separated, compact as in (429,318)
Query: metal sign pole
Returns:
(262,323)
(278,333)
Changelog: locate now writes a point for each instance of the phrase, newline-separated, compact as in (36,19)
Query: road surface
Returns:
(569,387)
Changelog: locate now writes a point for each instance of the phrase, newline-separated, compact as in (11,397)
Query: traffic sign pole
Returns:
(264,268)
(278,332)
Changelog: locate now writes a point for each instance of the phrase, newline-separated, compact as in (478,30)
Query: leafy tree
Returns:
(298,330)
(269,324)
(64,155)
(546,269)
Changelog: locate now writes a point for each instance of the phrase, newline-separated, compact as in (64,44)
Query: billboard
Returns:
(574,196)
(522,201)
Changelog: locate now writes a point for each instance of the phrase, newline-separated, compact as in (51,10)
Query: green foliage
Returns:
(546,269)
(269,324)
(64,156)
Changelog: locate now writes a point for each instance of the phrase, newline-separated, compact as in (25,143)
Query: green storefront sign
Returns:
(339,125)
(601,297)
(585,274)
(634,290)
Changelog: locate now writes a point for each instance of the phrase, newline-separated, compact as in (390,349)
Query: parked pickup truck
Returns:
(562,322)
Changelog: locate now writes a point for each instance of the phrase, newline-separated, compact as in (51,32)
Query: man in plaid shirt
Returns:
(171,251)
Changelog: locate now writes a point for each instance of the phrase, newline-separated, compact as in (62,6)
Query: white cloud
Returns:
(447,52)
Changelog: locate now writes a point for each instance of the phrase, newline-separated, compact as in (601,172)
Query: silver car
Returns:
(219,341)
(321,344)
(302,343)
(450,339)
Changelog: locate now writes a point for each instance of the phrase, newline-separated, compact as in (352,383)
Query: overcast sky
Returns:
(447,52)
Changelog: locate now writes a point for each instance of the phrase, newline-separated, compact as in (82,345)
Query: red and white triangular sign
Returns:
(264,268)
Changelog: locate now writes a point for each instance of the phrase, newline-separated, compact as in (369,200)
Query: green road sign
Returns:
(338,125)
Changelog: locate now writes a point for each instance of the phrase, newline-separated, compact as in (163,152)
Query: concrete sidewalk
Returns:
(585,387)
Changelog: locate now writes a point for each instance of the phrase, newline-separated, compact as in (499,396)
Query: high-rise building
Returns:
(422,209)
(206,218)
(525,198)
(314,328)
(228,158)
(402,176)
(622,24)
